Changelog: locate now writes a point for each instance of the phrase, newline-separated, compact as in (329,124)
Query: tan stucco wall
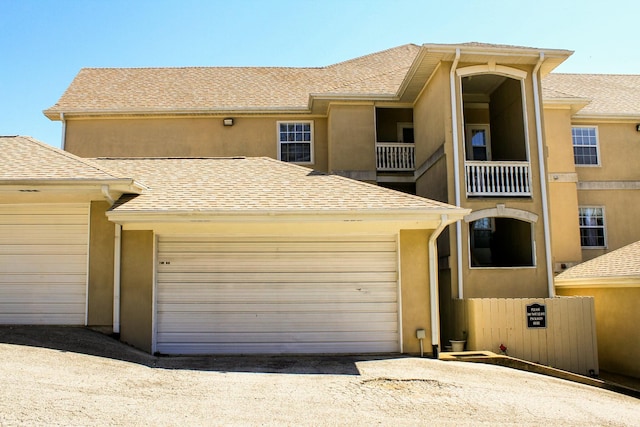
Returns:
(351,135)
(414,277)
(617,320)
(101,253)
(563,196)
(185,137)
(618,142)
(622,210)
(136,289)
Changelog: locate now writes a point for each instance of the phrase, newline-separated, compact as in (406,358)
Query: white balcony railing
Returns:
(497,178)
(395,156)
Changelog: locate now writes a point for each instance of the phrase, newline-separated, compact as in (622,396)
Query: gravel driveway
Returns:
(73,376)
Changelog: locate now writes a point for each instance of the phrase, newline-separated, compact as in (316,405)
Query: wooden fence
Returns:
(564,336)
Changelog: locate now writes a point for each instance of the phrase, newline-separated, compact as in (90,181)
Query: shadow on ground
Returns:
(86,341)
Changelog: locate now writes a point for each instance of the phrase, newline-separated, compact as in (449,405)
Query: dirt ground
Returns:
(74,376)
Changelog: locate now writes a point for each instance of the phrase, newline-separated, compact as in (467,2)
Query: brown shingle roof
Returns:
(255,186)
(610,94)
(128,90)
(623,262)
(23,158)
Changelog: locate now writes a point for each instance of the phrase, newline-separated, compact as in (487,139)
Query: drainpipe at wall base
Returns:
(456,168)
(433,285)
(116,279)
(543,177)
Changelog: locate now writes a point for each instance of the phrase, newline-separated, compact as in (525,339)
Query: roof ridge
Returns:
(358,58)
(205,67)
(594,74)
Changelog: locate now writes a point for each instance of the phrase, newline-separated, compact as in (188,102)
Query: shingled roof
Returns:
(23,158)
(619,264)
(614,95)
(256,186)
(195,89)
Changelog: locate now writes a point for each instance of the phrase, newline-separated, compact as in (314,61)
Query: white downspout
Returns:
(543,177)
(116,278)
(64,131)
(433,286)
(456,169)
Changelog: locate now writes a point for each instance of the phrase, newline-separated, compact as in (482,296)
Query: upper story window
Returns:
(295,142)
(585,145)
(592,229)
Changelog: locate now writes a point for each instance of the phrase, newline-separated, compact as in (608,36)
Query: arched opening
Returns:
(501,242)
(495,139)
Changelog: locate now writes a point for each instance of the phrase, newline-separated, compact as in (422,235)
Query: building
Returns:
(613,280)
(485,127)
(216,255)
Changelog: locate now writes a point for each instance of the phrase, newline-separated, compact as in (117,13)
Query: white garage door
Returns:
(43,263)
(277,295)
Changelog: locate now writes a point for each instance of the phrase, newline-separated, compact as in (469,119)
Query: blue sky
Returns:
(44,43)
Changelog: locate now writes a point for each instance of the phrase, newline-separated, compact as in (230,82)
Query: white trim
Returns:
(600,282)
(492,68)
(117,268)
(500,211)
(546,223)
(87,268)
(154,296)
(454,84)
(599,159)
(399,269)
(469,147)
(311,142)
(604,226)
(63,141)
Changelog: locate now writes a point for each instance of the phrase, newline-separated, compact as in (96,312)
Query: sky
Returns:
(44,43)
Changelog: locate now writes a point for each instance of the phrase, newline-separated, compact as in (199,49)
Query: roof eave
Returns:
(419,217)
(604,281)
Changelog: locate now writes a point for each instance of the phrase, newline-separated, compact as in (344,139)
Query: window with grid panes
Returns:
(592,230)
(295,142)
(585,145)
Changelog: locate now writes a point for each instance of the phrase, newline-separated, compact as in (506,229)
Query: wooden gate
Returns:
(558,332)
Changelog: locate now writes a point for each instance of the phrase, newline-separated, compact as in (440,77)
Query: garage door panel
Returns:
(52,264)
(43,263)
(44,318)
(310,277)
(177,248)
(273,262)
(358,347)
(277,295)
(271,337)
(43,249)
(298,294)
(276,320)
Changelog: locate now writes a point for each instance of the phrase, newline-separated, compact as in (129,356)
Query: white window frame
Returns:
(603,226)
(597,135)
(468,139)
(311,144)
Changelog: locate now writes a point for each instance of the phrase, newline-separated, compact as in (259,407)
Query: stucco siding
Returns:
(101,255)
(136,292)
(617,317)
(185,137)
(416,312)
(351,130)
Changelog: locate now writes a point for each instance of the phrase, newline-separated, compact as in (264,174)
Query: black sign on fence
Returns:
(536,316)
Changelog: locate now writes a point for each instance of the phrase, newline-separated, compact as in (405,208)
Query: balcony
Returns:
(501,179)
(395,157)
